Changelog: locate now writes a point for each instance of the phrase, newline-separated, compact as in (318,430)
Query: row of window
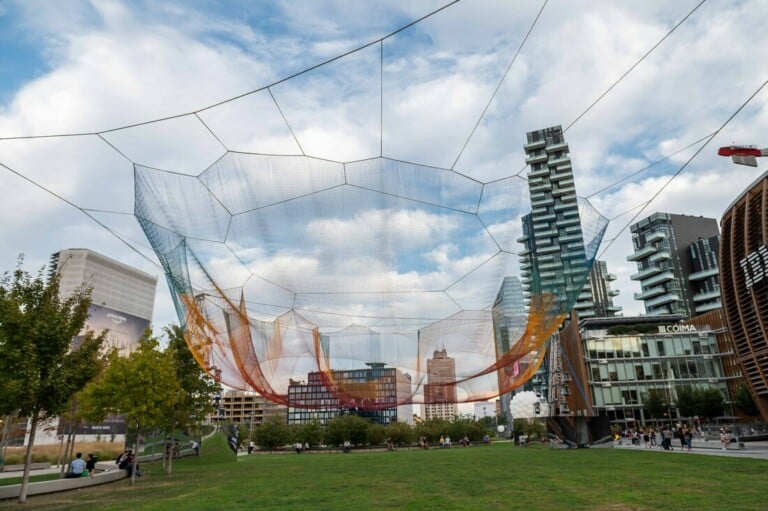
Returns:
(634,347)
(618,396)
(656,370)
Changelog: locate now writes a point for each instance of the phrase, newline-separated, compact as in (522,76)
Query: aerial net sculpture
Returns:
(290,255)
(319,225)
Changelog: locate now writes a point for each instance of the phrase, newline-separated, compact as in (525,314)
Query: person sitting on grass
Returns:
(77,467)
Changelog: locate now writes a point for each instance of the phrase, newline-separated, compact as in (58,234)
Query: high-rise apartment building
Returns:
(676,258)
(554,258)
(440,391)
(596,300)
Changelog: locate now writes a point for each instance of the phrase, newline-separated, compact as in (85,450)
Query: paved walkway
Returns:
(758,450)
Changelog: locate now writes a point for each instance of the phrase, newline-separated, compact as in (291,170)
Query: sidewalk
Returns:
(757,450)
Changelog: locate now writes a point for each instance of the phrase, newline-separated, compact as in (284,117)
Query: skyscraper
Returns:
(554,258)
(440,391)
(676,259)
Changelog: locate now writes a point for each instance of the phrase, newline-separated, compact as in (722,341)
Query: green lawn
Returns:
(497,477)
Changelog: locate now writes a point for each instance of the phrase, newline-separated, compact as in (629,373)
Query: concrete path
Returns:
(757,450)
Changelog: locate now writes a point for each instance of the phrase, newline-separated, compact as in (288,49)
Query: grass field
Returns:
(497,477)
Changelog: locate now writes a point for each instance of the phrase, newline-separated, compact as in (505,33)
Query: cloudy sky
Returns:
(89,67)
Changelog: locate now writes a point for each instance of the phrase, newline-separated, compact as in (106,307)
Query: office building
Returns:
(379,394)
(122,301)
(627,359)
(676,258)
(440,390)
(509,321)
(122,297)
(744,285)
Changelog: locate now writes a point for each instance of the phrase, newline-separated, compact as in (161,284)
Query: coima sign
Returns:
(670,329)
(754,266)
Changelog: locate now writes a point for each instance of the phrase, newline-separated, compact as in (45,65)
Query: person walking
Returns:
(725,438)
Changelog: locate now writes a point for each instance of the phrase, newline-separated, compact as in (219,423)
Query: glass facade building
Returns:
(627,358)
(384,388)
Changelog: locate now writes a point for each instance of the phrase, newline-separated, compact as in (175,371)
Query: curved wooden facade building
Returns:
(744,285)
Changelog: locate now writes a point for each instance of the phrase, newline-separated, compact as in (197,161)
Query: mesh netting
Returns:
(304,247)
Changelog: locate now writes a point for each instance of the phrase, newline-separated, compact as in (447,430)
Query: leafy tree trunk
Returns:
(4,444)
(135,466)
(171,451)
(28,460)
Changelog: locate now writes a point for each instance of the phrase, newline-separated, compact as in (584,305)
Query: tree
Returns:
(142,386)
(347,427)
(744,402)
(40,370)
(654,405)
(710,403)
(311,433)
(400,433)
(273,432)
(195,388)
(688,402)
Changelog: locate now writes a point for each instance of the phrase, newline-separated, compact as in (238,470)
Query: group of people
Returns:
(80,467)
(648,437)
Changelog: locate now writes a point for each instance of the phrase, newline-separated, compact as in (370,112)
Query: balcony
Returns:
(539,187)
(543,172)
(562,190)
(571,237)
(614,292)
(549,249)
(538,144)
(663,299)
(537,157)
(662,255)
(544,217)
(706,307)
(705,297)
(610,277)
(644,274)
(655,236)
(649,293)
(559,146)
(559,161)
(703,274)
(642,253)
(544,201)
(658,279)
